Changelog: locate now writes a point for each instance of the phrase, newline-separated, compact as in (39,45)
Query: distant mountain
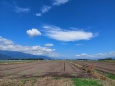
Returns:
(20,55)
(4,57)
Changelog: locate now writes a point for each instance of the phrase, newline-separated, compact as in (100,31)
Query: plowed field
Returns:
(43,68)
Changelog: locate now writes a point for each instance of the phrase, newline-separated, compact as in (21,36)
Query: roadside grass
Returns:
(85,82)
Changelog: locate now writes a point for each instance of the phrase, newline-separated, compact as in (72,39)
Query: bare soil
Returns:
(107,67)
(45,81)
(48,73)
(41,69)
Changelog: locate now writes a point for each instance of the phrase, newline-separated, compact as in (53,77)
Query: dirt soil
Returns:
(107,67)
(41,69)
(45,81)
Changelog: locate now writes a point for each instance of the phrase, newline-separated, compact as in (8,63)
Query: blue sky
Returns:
(58,28)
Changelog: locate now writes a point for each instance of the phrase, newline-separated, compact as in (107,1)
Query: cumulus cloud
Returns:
(46,8)
(49,45)
(33,32)
(9,45)
(95,56)
(67,35)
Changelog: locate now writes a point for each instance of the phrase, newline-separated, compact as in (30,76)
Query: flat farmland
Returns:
(41,68)
(52,73)
(107,67)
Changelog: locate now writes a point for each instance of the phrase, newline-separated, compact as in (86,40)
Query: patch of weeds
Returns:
(111,76)
(24,81)
(85,82)
(33,81)
(56,78)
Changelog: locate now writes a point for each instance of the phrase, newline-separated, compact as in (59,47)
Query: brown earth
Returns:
(45,81)
(43,68)
(107,67)
(48,73)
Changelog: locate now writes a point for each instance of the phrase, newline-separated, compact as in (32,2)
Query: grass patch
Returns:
(85,82)
(24,81)
(111,76)
(56,78)
(33,81)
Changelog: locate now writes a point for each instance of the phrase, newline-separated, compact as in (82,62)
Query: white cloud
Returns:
(46,8)
(6,44)
(49,45)
(22,10)
(95,56)
(79,44)
(67,35)
(38,14)
(60,2)
(33,32)
(5,41)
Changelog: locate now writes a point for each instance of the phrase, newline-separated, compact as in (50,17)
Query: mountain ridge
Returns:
(19,55)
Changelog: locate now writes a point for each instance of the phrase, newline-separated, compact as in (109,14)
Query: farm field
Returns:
(107,67)
(53,73)
(42,68)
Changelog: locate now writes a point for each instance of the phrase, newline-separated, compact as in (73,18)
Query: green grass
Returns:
(29,79)
(56,78)
(24,81)
(33,81)
(111,76)
(85,82)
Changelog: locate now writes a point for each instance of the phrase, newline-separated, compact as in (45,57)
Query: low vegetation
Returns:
(109,75)
(86,82)
(112,76)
